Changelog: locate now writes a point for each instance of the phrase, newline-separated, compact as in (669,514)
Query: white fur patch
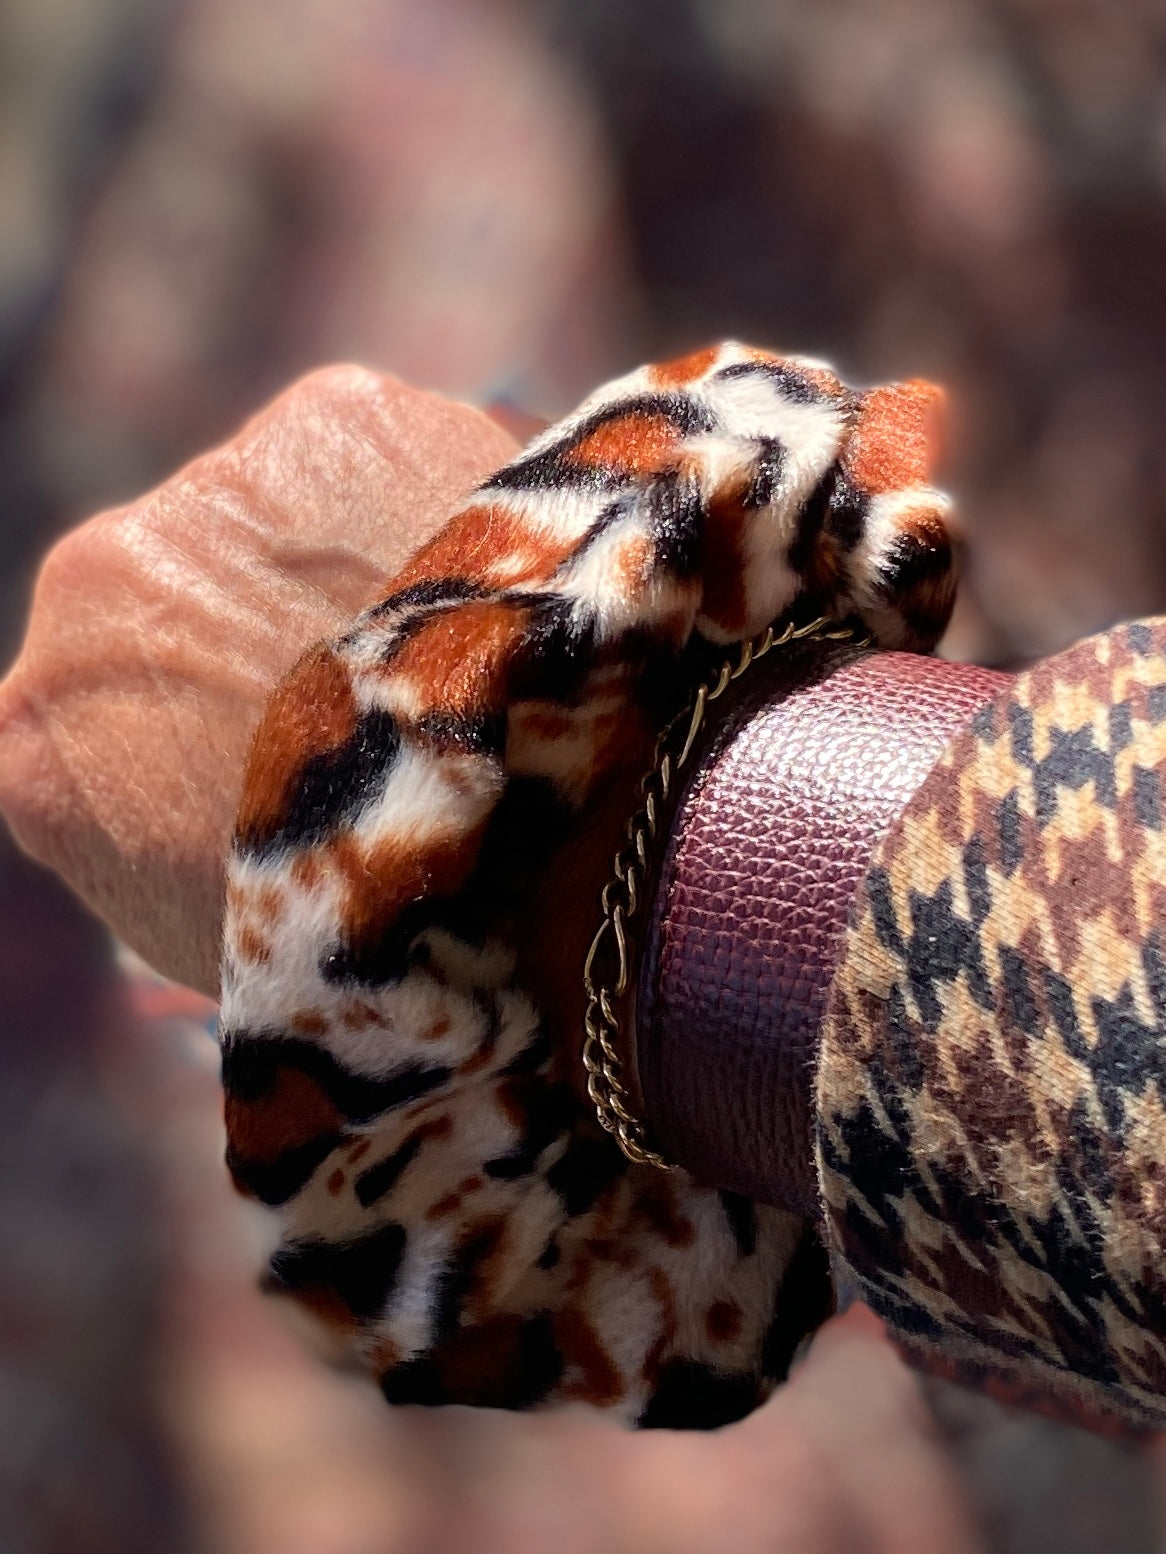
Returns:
(430,797)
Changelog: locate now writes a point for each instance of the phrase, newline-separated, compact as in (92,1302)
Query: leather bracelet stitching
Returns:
(607,969)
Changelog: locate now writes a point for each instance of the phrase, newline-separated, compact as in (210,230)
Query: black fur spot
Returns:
(275,1181)
(252,1061)
(532,1057)
(550,1256)
(550,1110)
(536,1368)
(676,518)
(804,1301)
(911,563)
(846,514)
(415,1382)
(767,473)
(362,1272)
(589,1166)
(330,789)
(456,1281)
(529,824)
(741,1213)
(674,507)
(531,1373)
(552,470)
(690,1396)
(664,679)
(553,467)
(556,654)
(810,520)
(473,735)
(384,955)
(433,592)
(385,1174)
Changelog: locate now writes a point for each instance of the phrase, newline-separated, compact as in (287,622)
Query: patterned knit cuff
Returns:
(992,1085)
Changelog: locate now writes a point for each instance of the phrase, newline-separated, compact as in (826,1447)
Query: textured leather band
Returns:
(812,763)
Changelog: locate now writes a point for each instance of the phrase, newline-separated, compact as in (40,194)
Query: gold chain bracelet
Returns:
(623,896)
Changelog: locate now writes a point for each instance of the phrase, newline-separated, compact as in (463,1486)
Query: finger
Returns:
(858,1407)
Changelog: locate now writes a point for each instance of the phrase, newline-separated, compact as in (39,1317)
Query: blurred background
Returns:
(509,200)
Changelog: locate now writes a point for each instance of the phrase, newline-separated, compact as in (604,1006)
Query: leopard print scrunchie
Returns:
(422,798)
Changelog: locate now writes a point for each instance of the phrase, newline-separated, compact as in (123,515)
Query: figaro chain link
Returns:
(608,967)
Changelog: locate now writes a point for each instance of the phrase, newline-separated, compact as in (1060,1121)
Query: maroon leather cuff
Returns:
(812,763)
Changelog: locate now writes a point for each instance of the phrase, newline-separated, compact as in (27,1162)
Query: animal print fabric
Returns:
(992,1132)
(428,812)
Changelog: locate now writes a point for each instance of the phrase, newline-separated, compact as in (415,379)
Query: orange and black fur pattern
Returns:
(398,1078)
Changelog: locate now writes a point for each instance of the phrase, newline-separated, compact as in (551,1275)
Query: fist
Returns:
(158,630)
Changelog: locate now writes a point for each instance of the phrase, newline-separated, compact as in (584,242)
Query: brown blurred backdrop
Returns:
(507,201)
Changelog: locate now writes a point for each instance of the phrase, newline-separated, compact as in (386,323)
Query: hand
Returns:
(158,630)
(156,633)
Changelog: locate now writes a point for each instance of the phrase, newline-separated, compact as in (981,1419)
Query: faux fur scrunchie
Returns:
(423,798)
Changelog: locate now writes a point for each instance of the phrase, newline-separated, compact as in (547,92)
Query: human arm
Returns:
(98,748)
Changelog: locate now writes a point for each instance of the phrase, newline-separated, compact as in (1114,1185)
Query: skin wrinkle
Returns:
(173,568)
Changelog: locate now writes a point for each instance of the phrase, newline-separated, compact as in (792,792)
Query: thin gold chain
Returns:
(607,970)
